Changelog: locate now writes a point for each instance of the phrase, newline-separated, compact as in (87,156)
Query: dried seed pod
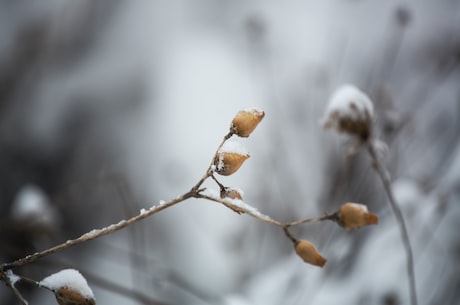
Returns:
(350,111)
(245,121)
(308,252)
(354,215)
(68,296)
(230,157)
(231,193)
(228,163)
(69,288)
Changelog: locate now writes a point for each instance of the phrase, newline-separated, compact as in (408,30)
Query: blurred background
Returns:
(107,107)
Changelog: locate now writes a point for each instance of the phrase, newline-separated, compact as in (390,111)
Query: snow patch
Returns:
(347,102)
(68,278)
(234,147)
(13,278)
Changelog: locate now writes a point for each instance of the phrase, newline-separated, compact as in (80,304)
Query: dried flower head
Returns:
(308,252)
(229,158)
(350,111)
(245,121)
(354,215)
(69,288)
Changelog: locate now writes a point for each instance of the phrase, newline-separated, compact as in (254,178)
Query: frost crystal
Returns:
(70,279)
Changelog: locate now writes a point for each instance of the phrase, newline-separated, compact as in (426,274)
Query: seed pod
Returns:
(231,193)
(69,288)
(245,121)
(354,215)
(350,111)
(68,296)
(228,163)
(308,252)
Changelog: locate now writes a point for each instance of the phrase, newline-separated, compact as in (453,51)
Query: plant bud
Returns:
(308,252)
(245,121)
(354,215)
(228,163)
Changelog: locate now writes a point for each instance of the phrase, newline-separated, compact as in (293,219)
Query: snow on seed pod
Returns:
(229,158)
(245,121)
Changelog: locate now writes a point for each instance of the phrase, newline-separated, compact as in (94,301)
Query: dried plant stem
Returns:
(197,191)
(16,292)
(289,235)
(247,209)
(385,178)
(98,233)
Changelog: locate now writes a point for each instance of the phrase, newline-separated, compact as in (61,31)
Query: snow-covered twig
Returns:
(227,160)
(10,279)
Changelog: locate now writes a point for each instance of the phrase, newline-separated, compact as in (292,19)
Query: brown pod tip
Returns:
(309,254)
(245,121)
(355,215)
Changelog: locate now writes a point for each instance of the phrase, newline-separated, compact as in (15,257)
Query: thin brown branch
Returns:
(209,171)
(7,281)
(98,232)
(332,217)
(385,178)
(242,207)
(289,235)
(120,225)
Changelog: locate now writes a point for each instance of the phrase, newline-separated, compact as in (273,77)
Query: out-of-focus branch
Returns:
(385,178)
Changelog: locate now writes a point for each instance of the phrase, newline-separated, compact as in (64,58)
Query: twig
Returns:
(197,191)
(289,235)
(98,232)
(245,208)
(333,217)
(7,281)
(120,225)
(384,177)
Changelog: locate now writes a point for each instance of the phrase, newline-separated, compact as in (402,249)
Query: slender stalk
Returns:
(16,292)
(385,178)
(332,217)
(289,235)
(98,232)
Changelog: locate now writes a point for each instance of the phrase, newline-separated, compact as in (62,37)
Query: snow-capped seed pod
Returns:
(231,193)
(355,215)
(308,252)
(67,296)
(350,111)
(69,288)
(245,121)
(230,157)
(228,163)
